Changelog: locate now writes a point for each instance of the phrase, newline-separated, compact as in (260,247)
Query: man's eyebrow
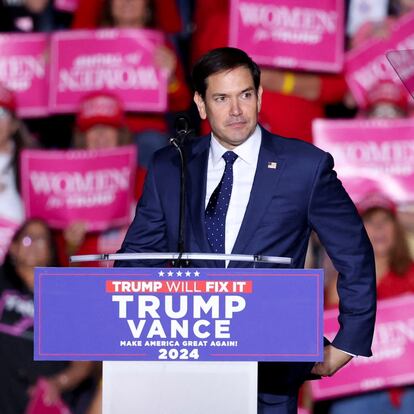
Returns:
(250,89)
(217,94)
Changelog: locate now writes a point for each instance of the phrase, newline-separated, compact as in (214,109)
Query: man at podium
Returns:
(252,192)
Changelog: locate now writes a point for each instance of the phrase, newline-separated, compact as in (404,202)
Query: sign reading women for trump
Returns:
(367,65)
(93,186)
(23,70)
(301,34)
(117,60)
(178,314)
(392,363)
(371,155)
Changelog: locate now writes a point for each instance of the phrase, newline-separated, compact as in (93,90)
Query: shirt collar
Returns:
(248,151)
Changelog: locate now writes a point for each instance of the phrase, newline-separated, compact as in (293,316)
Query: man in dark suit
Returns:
(251,192)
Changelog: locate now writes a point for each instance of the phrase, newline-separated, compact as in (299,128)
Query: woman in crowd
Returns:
(13,138)
(100,125)
(395,276)
(31,246)
(150,130)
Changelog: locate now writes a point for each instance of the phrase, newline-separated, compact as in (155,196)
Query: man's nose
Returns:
(235,108)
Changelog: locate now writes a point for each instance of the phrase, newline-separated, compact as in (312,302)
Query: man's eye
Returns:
(247,95)
(220,99)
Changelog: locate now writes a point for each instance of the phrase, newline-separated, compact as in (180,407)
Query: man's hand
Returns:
(333,360)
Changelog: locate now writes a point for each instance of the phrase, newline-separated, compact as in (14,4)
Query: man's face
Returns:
(231,105)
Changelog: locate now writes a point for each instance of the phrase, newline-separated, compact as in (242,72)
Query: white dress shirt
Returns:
(244,170)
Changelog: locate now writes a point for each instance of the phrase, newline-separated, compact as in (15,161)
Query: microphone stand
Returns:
(178,142)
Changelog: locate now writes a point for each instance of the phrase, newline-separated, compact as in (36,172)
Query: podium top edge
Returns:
(184,256)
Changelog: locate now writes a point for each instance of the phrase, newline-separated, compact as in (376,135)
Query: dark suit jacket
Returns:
(302,194)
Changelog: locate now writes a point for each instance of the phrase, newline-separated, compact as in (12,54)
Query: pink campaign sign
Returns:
(301,34)
(393,349)
(367,64)
(119,61)
(92,186)
(371,155)
(23,69)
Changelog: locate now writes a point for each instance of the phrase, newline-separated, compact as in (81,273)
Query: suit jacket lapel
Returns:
(196,191)
(268,173)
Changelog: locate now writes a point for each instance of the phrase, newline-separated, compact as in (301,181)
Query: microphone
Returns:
(182,131)
(182,127)
(182,124)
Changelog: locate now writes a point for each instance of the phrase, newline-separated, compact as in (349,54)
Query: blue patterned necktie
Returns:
(215,215)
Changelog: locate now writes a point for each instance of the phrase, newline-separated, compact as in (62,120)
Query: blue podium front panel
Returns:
(149,314)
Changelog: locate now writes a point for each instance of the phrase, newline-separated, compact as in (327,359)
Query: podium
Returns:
(180,374)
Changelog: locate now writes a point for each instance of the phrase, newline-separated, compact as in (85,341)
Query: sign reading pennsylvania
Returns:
(120,61)
(178,314)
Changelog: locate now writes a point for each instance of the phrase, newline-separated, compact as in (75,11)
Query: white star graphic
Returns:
(187,273)
(196,273)
(170,273)
(160,273)
(179,273)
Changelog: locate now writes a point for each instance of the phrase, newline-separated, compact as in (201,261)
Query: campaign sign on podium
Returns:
(153,314)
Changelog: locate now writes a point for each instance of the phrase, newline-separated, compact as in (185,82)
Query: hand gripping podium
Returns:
(179,340)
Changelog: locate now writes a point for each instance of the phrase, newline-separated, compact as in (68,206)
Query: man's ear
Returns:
(259,98)
(201,106)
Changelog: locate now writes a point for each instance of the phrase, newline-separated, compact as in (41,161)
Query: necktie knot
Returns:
(230,157)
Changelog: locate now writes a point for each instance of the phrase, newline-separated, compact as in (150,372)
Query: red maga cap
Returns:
(7,99)
(387,91)
(376,200)
(100,108)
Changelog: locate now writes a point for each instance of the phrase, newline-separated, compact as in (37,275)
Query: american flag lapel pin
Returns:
(272,165)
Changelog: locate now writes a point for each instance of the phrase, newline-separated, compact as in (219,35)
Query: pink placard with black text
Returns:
(300,34)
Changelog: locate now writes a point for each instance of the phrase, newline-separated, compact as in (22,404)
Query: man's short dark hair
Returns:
(220,60)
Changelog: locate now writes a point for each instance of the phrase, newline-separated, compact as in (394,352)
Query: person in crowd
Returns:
(166,15)
(262,209)
(386,100)
(395,106)
(394,277)
(39,16)
(95,406)
(13,138)
(31,246)
(100,125)
(382,29)
(300,96)
(150,130)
